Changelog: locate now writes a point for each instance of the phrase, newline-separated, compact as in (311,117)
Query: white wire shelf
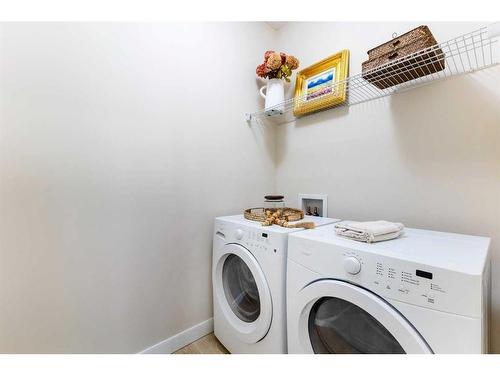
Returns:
(464,54)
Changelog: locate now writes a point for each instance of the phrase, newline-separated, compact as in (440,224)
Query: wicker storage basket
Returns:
(259,213)
(386,66)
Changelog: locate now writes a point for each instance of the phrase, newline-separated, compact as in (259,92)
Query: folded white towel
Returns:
(369,231)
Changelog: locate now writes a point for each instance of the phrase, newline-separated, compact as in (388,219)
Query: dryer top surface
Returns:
(458,252)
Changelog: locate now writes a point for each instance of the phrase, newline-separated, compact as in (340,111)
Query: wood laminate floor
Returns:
(206,345)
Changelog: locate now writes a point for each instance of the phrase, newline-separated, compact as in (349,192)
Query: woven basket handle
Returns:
(392,56)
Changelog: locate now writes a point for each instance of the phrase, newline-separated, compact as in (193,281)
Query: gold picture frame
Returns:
(322,85)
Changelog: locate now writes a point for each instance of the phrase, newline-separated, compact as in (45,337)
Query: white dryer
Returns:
(425,292)
(249,280)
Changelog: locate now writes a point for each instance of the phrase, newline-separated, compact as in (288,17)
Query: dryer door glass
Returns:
(339,326)
(240,289)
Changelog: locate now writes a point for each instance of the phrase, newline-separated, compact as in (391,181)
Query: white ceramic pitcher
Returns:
(275,95)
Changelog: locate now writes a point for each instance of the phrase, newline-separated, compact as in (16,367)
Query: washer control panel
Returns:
(255,240)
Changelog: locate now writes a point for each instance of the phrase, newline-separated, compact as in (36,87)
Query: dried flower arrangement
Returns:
(277,65)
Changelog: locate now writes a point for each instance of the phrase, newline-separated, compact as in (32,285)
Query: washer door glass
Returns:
(338,326)
(240,289)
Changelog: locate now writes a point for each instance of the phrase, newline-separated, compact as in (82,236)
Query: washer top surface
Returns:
(240,219)
(457,252)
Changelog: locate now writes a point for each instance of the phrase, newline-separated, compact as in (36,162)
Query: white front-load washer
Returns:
(249,280)
(425,292)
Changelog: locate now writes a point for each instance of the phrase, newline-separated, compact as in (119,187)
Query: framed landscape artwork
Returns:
(322,85)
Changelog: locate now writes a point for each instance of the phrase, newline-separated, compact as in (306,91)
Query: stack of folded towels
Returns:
(369,231)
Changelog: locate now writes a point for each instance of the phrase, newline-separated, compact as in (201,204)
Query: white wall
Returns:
(119,144)
(429,157)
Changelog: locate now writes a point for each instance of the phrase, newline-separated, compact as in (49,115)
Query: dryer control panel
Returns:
(389,276)
(415,283)
(408,280)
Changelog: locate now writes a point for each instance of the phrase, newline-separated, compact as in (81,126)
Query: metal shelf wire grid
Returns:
(467,53)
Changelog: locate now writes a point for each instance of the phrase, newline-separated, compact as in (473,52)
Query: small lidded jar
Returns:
(274,201)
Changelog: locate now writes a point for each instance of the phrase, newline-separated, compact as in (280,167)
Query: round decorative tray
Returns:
(259,213)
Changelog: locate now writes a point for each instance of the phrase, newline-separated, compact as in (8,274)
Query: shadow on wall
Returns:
(432,127)
(327,117)
(451,146)
(263,135)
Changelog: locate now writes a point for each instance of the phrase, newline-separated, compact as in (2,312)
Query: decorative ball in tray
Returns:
(275,212)
(278,216)
(259,213)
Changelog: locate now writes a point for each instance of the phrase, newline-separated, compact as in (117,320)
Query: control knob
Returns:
(352,265)
(238,234)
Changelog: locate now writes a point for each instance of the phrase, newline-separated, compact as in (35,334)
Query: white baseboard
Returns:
(182,339)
